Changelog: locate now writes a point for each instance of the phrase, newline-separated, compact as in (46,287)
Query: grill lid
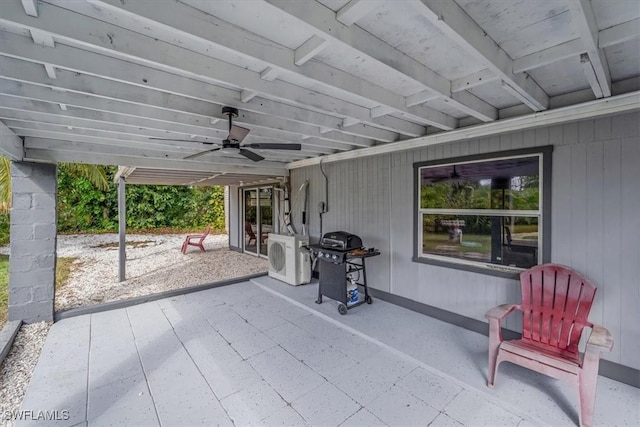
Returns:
(341,241)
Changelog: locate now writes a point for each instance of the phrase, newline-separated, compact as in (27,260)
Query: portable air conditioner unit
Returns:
(288,260)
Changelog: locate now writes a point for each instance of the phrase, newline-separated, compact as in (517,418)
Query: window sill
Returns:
(488,269)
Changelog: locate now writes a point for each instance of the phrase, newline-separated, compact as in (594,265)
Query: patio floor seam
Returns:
(144,371)
(195,363)
(401,354)
(86,406)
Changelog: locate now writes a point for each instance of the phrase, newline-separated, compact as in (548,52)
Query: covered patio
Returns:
(263,353)
(385,119)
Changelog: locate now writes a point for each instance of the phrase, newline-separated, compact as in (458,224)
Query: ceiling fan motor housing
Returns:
(230,112)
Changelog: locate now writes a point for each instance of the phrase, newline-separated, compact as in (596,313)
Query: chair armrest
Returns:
(600,339)
(501,311)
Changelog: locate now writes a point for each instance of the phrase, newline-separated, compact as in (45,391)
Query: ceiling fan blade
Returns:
(435,180)
(274,146)
(182,140)
(237,133)
(251,155)
(202,153)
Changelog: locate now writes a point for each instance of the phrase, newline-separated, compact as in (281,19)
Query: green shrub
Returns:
(84,208)
(4,228)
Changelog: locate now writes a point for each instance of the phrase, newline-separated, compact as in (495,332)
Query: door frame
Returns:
(242,213)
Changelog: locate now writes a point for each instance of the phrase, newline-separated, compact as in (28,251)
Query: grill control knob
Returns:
(320,254)
(335,257)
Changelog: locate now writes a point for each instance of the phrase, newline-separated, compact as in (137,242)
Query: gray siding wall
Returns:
(595,221)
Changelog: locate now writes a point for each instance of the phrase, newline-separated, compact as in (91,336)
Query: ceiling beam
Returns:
(590,74)
(473,80)
(11,145)
(351,12)
(34,116)
(597,108)
(42,37)
(124,172)
(117,97)
(269,74)
(619,33)
(39,155)
(454,22)
(247,95)
(585,23)
(101,120)
(50,140)
(174,21)
(90,33)
(50,70)
(309,49)
(323,22)
(85,62)
(30,7)
(569,49)
(606,38)
(117,137)
(165,128)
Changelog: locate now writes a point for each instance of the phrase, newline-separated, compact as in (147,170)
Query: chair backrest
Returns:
(206,232)
(556,301)
(249,230)
(507,236)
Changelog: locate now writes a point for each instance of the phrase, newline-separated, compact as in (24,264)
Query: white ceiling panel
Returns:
(102,80)
(560,77)
(494,94)
(400,26)
(257,17)
(624,59)
(523,27)
(368,69)
(609,13)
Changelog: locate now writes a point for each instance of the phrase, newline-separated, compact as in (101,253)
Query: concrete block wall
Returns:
(32,263)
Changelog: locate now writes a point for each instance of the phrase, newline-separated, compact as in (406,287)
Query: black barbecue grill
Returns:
(341,259)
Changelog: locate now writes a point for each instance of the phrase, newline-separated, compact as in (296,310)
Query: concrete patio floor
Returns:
(262,353)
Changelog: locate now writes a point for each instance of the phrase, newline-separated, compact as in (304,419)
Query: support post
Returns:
(122,230)
(32,264)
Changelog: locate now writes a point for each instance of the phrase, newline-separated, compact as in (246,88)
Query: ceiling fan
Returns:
(454,177)
(231,144)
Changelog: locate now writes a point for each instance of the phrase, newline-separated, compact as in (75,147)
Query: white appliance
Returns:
(289,261)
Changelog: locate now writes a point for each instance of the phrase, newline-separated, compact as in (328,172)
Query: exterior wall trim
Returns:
(589,110)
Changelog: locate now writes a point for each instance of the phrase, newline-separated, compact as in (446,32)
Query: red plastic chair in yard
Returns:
(195,240)
(556,301)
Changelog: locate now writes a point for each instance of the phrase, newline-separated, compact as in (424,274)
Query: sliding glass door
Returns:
(258,219)
(251,220)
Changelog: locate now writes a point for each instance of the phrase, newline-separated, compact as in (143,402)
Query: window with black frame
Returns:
(484,213)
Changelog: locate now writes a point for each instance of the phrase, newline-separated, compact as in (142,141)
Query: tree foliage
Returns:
(83,207)
(522,194)
(88,202)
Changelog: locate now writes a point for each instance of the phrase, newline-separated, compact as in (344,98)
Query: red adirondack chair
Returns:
(555,304)
(195,240)
(249,230)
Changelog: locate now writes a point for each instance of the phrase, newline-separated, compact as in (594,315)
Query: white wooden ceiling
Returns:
(93,81)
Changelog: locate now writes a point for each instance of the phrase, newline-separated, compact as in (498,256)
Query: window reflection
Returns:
(483,211)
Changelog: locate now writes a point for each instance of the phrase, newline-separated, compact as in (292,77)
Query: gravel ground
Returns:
(154,264)
(17,367)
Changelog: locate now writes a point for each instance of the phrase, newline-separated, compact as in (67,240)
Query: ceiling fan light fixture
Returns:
(230,150)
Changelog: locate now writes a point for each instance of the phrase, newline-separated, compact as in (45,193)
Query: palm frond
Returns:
(5,184)
(95,174)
